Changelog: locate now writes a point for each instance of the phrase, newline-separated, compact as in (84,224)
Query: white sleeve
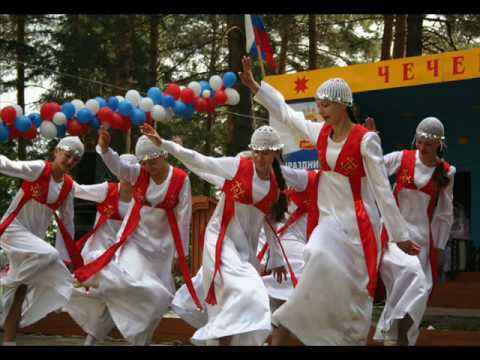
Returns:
(224,167)
(26,170)
(296,178)
(66,215)
(373,163)
(392,162)
(212,179)
(121,169)
(275,252)
(443,216)
(274,102)
(96,192)
(183,213)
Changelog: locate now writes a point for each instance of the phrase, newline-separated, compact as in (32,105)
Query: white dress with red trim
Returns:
(139,277)
(242,310)
(89,307)
(408,280)
(33,261)
(332,304)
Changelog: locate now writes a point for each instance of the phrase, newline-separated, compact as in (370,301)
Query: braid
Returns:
(280,207)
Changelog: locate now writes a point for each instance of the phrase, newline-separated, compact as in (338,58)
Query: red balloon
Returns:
(200,104)
(187,95)
(85,129)
(9,114)
(210,105)
(126,123)
(116,121)
(105,115)
(47,111)
(74,127)
(149,120)
(220,97)
(174,90)
(55,108)
(30,134)
(14,133)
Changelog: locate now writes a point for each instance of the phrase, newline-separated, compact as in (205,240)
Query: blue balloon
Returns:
(4,133)
(84,116)
(95,123)
(125,108)
(138,116)
(112,103)
(179,108)
(68,109)
(61,131)
(205,85)
(36,119)
(188,113)
(23,124)
(156,95)
(101,101)
(168,101)
(229,79)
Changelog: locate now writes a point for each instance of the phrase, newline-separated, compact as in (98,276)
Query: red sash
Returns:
(239,189)
(108,209)
(306,202)
(405,179)
(350,164)
(38,190)
(139,196)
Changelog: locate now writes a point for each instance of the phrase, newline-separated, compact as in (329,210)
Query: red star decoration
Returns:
(301,84)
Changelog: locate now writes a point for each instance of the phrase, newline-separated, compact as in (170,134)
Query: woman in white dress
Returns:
(238,311)
(38,282)
(424,194)
(89,306)
(136,271)
(332,304)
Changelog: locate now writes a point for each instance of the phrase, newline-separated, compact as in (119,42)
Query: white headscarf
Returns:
(72,144)
(336,90)
(145,149)
(265,138)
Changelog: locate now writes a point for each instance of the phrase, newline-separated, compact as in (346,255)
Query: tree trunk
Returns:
(241,127)
(414,34)
(20,52)
(312,42)
(399,44)
(387,37)
(284,35)
(154,23)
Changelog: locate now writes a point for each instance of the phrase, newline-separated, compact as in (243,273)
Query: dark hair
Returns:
(280,207)
(439,174)
(351,114)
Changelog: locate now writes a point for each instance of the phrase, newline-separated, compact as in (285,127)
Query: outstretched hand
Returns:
(151,133)
(246,76)
(280,273)
(370,124)
(409,247)
(104,139)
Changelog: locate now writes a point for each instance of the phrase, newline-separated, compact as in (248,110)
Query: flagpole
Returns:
(260,60)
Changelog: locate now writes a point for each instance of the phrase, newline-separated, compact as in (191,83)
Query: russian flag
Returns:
(256,34)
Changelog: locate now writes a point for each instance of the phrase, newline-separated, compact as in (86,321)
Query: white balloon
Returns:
(216,82)
(233,97)
(48,129)
(18,109)
(133,97)
(120,98)
(59,118)
(196,87)
(78,104)
(93,105)
(159,113)
(206,94)
(146,104)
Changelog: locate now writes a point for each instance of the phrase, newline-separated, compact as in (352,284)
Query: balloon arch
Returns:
(78,118)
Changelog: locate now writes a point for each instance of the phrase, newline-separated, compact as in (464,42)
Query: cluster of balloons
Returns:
(78,118)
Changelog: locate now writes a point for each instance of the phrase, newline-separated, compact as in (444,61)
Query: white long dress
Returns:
(139,278)
(242,310)
(34,262)
(408,280)
(89,308)
(331,304)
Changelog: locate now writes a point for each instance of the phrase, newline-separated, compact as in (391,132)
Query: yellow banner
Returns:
(411,71)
